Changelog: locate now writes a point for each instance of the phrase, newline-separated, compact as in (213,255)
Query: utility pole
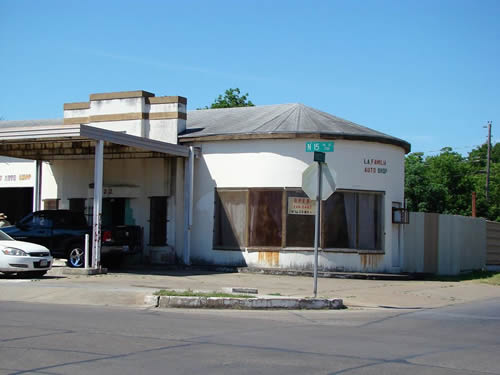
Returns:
(488,157)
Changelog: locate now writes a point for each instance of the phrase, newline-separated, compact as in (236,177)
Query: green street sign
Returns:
(319,146)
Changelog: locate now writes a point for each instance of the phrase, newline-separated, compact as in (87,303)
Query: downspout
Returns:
(188,205)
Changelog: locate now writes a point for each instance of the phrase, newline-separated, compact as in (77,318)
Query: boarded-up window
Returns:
(353,220)
(230,219)
(265,217)
(158,221)
(255,218)
(339,210)
(369,221)
(300,216)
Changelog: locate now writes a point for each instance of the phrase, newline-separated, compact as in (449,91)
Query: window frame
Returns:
(380,225)
(245,240)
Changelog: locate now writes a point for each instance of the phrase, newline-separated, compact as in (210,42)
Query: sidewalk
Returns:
(130,288)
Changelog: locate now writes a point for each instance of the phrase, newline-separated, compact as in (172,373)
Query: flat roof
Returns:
(51,142)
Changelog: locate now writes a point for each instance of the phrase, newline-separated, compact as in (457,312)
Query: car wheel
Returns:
(36,274)
(76,257)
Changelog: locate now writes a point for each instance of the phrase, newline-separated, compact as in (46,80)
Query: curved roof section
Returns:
(277,121)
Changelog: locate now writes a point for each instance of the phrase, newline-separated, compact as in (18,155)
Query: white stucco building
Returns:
(241,203)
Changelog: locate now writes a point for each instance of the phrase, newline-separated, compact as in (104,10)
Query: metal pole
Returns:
(473,204)
(488,157)
(188,205)
(97,217)
(316,232)
(37,201)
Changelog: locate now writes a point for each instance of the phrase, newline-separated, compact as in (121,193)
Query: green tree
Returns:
(478,159)
(422,194)
(444,183)
(232,98)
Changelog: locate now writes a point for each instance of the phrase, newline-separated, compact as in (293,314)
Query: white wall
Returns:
(165,129)
(137,179)
(280,163)
(16,172)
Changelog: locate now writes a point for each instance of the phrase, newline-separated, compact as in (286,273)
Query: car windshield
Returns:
(5,237)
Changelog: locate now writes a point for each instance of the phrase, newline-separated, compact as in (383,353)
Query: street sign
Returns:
(319,146)
(310,181)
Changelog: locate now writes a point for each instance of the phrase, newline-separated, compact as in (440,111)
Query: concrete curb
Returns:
(243,303)
(85,271)
(326,274)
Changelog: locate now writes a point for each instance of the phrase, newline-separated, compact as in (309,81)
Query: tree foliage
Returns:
(444,183)
(232,98)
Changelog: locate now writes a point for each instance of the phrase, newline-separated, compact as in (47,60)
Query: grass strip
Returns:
(190,293)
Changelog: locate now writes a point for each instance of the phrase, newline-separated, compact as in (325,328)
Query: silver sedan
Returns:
(18,257)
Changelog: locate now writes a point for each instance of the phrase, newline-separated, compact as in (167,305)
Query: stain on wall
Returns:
(370,261)
(269,258)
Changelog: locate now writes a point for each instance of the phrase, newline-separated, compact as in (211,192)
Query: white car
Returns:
(22,257)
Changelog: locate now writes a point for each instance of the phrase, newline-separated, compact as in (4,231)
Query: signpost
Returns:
(318,183)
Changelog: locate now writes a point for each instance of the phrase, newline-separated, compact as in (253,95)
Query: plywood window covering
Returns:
(260,217)
(230,219)
(158,221)
(353,220)
(339,221)
(265,218)
(299,224)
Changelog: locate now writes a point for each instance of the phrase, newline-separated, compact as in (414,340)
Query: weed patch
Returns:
(190,293)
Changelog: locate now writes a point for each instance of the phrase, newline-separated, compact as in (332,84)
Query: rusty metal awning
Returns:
(56,142)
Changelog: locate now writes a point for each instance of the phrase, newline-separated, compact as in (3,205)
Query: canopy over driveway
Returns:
(56,142)
(78,142)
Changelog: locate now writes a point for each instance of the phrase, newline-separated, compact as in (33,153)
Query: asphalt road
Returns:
(63,339)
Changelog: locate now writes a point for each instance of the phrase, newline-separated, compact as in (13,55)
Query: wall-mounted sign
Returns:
(375,166)
(117,191)
(319,146)
(15,177)
(301,206)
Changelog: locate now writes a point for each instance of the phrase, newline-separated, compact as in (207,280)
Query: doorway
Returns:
(16,203)
(113,211)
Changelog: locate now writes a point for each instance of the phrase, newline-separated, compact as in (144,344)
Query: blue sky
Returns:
(425,71)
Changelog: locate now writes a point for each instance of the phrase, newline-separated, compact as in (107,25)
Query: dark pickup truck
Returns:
(63,233)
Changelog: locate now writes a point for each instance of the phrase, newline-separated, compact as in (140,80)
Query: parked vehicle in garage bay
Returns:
(19,257)
(63,232)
